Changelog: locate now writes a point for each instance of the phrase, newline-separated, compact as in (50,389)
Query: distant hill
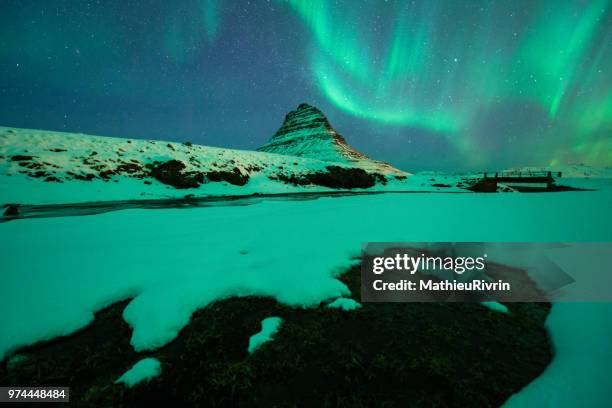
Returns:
(571,170)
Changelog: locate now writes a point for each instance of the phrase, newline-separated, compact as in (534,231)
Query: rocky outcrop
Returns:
(173,174)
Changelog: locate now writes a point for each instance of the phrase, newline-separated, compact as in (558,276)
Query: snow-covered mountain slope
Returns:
(43,167)
(306,132)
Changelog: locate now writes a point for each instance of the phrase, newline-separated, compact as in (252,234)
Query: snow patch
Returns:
(269,327)
(345,304)
(143,370)
(496,306)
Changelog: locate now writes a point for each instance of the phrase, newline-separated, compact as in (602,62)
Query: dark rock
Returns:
(234,177)
(30,165)
(21,157)
(441,185)
(56,150)
(38,174)
(380,178)
(199,177)
(334,177)
(52,179)
(171,173)
(128,168)
(106,174)
(84,177)
(291,179)
(341,177)
(11,210)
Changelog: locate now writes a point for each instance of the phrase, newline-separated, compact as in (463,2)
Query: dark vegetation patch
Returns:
(384,354)
(441,185)
(334,177)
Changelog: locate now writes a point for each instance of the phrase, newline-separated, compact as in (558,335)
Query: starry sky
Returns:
(425,85)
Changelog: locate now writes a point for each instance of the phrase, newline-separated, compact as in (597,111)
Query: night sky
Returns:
(441,85)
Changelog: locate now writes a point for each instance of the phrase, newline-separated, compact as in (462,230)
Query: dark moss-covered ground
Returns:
(384,354)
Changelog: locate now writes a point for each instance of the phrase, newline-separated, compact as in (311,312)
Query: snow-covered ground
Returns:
(44,167)
(57,272)
(570,170)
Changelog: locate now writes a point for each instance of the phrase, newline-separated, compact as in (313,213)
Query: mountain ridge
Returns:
(307,132)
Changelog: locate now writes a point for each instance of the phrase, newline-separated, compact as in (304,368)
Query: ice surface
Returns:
(579,374)
(269,327)
(143,370)
(345,304)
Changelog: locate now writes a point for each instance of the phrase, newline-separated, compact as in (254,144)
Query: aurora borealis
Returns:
(442,85)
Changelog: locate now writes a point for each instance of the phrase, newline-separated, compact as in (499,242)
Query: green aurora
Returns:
(428,71)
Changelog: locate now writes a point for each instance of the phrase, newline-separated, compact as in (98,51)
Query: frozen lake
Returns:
(58,271)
